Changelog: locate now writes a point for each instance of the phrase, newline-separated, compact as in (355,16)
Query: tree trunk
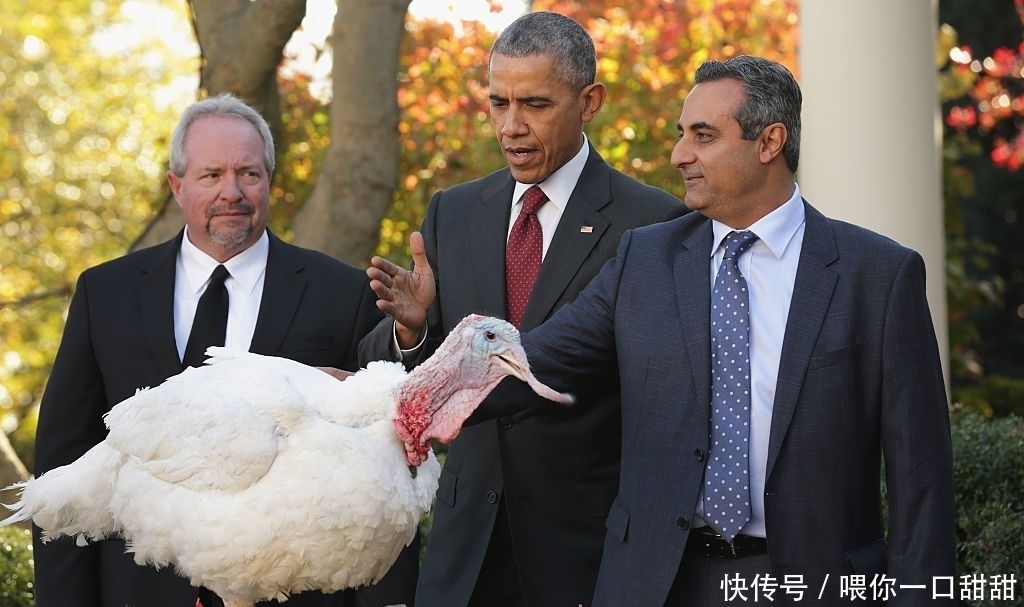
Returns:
(360,171)
(240,44)
(11,471)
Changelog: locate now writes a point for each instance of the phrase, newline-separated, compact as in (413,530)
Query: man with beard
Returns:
(129,327)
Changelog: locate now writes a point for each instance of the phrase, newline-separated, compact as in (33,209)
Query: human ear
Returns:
(593,99)
(771,142)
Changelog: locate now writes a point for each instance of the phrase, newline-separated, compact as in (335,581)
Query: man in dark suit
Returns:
(839,367)
(130,320)
(522,500)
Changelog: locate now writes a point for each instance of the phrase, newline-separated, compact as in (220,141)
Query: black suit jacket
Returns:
(557,468)
(119,337)
(859,378)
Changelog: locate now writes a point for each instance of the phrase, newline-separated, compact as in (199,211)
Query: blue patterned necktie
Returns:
(727,478)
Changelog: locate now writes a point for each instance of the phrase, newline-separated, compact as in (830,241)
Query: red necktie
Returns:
(523,255)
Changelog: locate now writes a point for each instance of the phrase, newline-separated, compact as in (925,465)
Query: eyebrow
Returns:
(531,99)
(705,126)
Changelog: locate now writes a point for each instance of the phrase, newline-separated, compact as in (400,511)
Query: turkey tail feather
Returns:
(71,500)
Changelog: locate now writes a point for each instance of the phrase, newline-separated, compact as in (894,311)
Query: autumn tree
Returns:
(407,116)
(982,95)
(647,54)
(81,163)
(359,167)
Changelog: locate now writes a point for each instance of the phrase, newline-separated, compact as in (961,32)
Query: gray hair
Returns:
(223,105)
(556,36)
(772,95)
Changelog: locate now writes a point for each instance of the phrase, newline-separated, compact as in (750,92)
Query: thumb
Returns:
(419,253)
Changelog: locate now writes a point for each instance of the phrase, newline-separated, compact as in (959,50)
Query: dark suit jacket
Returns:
(119,337)
(859,376)
(557,468)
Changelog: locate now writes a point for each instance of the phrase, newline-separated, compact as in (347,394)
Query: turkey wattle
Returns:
(259,477)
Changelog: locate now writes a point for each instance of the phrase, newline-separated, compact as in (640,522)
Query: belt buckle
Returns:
(732,548)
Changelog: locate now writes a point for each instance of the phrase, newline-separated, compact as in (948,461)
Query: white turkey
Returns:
(259,477)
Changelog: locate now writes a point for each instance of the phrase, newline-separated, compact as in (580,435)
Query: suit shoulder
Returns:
(471,190)
(130,262)
(320,262)
(675,229)
(858,236)
(644,196)
(855,241)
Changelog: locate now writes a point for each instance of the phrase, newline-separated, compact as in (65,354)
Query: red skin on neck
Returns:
(411,421)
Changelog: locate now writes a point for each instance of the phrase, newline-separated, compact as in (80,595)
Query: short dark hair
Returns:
(772,95)
(556,36)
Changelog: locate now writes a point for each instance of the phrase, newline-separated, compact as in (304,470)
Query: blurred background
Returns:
(376,105)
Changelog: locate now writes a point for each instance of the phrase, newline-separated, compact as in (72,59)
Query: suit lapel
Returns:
(692,274)
(812,294)
(155,293)
(283,286)
(488,228)
(571,244)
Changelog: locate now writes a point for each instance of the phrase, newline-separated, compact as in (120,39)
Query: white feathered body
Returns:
(255,476)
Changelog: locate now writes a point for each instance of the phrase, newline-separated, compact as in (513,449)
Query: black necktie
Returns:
(211,320)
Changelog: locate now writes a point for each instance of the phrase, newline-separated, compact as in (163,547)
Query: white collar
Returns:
(560,184)
(245,267)
(775,230)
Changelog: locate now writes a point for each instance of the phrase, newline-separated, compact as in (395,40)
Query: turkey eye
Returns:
(489,335)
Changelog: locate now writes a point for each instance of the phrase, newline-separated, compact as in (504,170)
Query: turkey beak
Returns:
(514,363)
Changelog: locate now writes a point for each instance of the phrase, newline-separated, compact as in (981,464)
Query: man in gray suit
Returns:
(837,368)
(129,324)
(522,500)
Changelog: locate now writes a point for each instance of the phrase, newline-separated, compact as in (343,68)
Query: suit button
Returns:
(505,422)
(682,523)
(492,497)
(697,453)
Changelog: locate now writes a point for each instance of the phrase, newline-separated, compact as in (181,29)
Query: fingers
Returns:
(404,295)
(380,267)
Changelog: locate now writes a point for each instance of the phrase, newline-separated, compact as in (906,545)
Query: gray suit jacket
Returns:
(556,468)
(859,377)
(119,337)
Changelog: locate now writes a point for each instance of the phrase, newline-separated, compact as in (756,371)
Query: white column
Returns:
(872,130)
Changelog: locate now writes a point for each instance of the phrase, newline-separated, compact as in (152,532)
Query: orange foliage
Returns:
(984,96)
(647,55)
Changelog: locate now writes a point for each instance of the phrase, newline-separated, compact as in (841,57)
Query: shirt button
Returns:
(697,453)
(505,422)
(682,523)
(492,497)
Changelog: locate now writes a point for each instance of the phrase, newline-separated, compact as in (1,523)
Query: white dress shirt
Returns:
(558,187)
(769,267)
(245,290)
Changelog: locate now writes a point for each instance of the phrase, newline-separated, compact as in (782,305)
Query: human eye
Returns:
(251,176)
(703,136)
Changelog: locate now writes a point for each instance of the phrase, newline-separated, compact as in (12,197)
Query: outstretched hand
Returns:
(404,295)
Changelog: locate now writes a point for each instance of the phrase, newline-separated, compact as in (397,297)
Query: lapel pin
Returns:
(586,229)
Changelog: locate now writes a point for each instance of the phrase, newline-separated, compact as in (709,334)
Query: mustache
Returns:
(243,206)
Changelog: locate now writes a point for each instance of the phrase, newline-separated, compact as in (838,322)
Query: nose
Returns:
(231,189)
(682,153)
(513,123)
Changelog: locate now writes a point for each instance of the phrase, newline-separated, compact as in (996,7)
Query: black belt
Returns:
(713,546)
